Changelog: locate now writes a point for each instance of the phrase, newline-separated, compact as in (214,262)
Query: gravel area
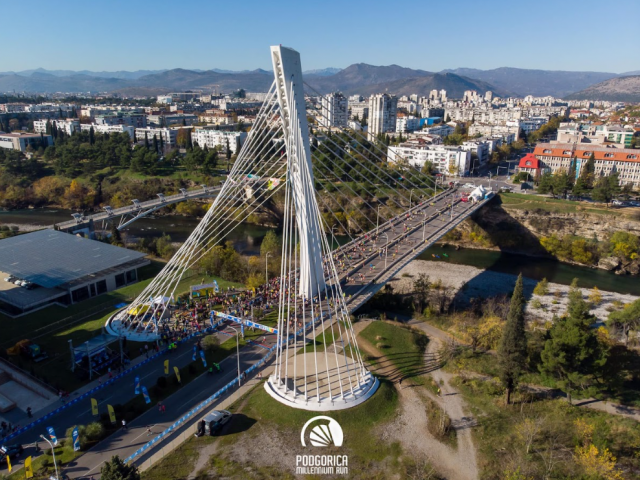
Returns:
(471,282)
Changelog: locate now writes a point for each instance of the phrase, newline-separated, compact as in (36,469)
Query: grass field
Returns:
(53,327)
(261,412)
(404,347)
(558,205)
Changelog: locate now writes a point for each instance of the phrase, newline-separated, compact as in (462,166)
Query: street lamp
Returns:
(55,465)
(266,268)
(238,350)
(386,250)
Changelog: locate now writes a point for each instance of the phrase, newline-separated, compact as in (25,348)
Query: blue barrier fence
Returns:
(182,420)
(187,416)
(91,392)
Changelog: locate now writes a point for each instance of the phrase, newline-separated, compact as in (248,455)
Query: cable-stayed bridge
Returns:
(322,179)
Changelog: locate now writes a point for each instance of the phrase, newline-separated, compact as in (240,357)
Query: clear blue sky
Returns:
(427,34)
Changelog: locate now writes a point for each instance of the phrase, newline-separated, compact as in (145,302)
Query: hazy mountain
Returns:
(122,74)
(178,80)
(322,72)
(535,82)
(47,83)
(628,74)
(361,75)
(619,89)
(455,85)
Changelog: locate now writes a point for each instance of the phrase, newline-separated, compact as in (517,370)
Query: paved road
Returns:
(429,222)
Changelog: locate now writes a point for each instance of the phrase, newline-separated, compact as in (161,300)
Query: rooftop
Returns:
(50,258)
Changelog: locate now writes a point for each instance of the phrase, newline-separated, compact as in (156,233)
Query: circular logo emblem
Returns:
(323,434)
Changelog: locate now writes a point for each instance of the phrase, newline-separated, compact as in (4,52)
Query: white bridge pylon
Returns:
(318,365)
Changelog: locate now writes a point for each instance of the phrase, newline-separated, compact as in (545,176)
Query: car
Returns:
(9,279)
(18,282)
(212,422)
(11,451)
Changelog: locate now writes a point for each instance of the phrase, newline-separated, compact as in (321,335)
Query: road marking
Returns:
(145,432)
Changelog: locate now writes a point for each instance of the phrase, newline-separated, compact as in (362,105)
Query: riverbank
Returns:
(468,282)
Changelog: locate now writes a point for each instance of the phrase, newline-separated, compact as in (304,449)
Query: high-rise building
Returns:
(382,114)
(334,111)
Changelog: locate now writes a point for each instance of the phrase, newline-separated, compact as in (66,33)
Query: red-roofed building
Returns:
(530,164)
(560,157)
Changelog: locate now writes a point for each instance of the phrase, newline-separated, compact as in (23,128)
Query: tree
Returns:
(562,183)
(573,355)
(92,136)
(210,162)
(421,289)
(116,469)
(542,288)
(210,343)
(546,183)
(116,238)
(606,188)
(512,351)
(595,297)
(271,244)
(627,319)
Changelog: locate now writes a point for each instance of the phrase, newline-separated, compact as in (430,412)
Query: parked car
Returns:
(11,451)
(9,279)
(18,282)
(213,422)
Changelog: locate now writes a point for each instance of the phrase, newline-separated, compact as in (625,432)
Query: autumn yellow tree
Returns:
(596,463)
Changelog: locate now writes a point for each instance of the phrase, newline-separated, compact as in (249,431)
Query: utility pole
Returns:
(266,268)
(55,465)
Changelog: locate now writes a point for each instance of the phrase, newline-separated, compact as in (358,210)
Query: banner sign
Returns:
(204,289)
(137,383)
(28,469)
(112,414)
(52,435)
(146,395)
(94,407)
(76,439)
(226,316)
(177,371)
(249,323)
(195,352)
(166,367)
(204,362)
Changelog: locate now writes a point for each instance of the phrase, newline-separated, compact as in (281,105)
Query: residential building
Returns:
(218,138)
(131,119)
(359,110)
(20,141)
(406,124)
(67,126)
(449,160)
(108,128)
(442,129)
(479,147)
(610,135)
(531,165)
(382,114)
(563,157)
(169,120)
(334,111)
(166,135)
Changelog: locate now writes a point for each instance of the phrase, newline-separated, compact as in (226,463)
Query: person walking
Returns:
(29,414)
(124,424)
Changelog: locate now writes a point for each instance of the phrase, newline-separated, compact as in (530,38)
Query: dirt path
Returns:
(410,427)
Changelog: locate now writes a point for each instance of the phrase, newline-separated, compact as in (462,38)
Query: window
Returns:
(80,294)
(608,155)
(546,151)
(120,282)
(131,276)
(587,154)
(527,162)
(101,287)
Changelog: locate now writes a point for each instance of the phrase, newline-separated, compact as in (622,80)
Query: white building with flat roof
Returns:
(20,141)
(67,126)
(382,114)
(97,128)
(218,138)
(334,111)
(167,135)
(448,160)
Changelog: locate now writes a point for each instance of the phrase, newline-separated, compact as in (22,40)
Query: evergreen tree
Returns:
(116,238)
(572,355)
(92,136)
(546,184)
(116,469)
(606,188)
(146,140)
(512,351)
(155,143)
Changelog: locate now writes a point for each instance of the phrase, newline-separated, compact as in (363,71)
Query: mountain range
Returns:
(618,89)
(358,78)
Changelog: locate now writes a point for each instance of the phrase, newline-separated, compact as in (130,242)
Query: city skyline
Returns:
(221,36)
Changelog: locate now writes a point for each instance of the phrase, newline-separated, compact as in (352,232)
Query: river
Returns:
(247,239)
